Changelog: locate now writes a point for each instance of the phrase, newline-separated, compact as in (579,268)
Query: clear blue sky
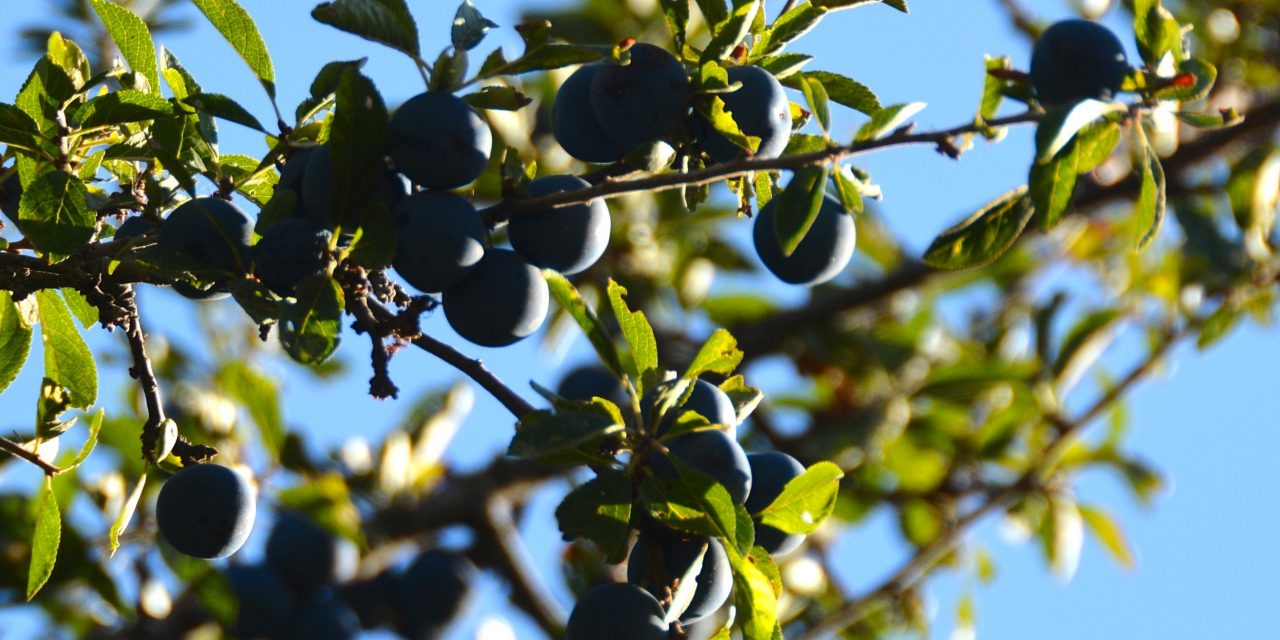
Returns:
(1207,557)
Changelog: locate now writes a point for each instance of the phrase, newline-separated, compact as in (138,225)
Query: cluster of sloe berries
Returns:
(661,556)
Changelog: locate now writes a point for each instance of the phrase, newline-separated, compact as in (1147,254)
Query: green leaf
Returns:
(731,31)
(498,97)
(54,214)
(745,398)
(900,5)
(1110,534)
(1224,118)
(984,236)
(1060,125)
(992,94)
(68,55)
(387,22)
(722,121)
(119,107)
(1156,31)
(798,206)
(95,428)
(719,354)
(888,119)
(638,334)
(1150,208)
(132,38)
(848,190)
(1201,75)
(17,128)
(259,394)
(220,106)
(689,500)
(819,103)
(328,502)
(544,57)
(126,514)
(1052,183)
(571,301)
(755,599)
(677,14)
(469,27)
(45,539)
(1217,326)
(840,89)
(358,139)
(449,72)
(375,244)
(714,11)
(86,313)
(15,340)
(600,511)
(784,65)
(567,436)
(67,359)
(45,90)
(237,26)
(789,27)
(806,501)
(310,328)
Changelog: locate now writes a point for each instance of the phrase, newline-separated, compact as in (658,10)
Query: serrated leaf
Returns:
(54,214)
(600,511)
(1220,120)
(567,436)
(15,340)
(44,539)
(132,38)
(841,90)
(789,27)
(84,312)
(1052,183)
(17,128)
(311,328)
(387,22)
(46,88)
(1157,32)
(469,27)
(848,190)
(95,428)
(755,599)
(498,97)
(642,346)
(888,119)
(237,26)
(784,65)
(119,107)
(798,206)
(1060,125)
(67,359)
(545,57)
(571,301)
(815,95)
(722,121)
(1150,207)
(806,501)
(220,106)
(714,11)
(719,354)
(358,139)
(689,500)
(677,14)
(992,93)
(984,236)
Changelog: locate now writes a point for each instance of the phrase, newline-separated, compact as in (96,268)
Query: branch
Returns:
(919,565)
(500,539)
(715,173)
(11,447)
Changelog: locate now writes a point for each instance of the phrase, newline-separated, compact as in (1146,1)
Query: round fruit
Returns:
(759,107)
(823,253)
(567,239)
(295,170)
(289,252)
(373,600)
(317,190)
(441,240)
(432,591)
(679,551)
(210,231)
(706,399)
(713,453)
(206,511)
(134,227)
(591,381)
(265,606)
(643,100)
(502,301)
(305,554)
(439,141)
(574,122)
(10,196)
(770,473)
(617,612)
(1077,59)
(323,618)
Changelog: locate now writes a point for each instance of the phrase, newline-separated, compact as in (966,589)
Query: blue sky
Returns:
(1206,558)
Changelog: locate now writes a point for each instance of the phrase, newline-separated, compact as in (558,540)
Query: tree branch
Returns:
(500,537)
(715,173)
(17,450)
(916,568)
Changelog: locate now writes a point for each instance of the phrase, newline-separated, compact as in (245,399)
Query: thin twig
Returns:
(501,538)
(20,451)
(715,173)
(918,566)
